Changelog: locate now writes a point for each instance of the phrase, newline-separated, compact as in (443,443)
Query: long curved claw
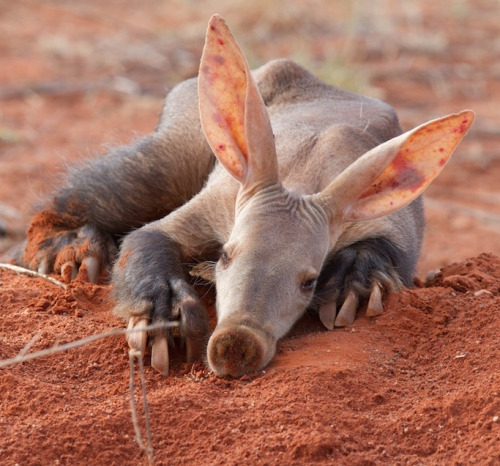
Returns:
(375,306)
(327,313)
(348,310)
(159,355)
(43,267)
(69,271)
(137,340)
(91,265)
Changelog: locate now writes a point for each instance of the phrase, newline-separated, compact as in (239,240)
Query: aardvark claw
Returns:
(159,355)
(327,313)
(137,340)
(375,306)
(69,271)
(91,265)
(348,310)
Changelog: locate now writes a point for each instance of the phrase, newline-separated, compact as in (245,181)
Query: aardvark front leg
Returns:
(151,286)
(362,271)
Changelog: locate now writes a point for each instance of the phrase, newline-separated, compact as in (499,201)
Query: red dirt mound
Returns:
(418,385)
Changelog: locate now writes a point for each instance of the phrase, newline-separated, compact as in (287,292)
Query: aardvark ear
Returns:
(393,174)
(233,115)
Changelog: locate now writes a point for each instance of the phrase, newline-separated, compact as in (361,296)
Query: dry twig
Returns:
(32,273)
(28,346)
(147,448)
(21,357)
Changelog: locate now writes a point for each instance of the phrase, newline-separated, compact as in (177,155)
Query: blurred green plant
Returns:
(10,136)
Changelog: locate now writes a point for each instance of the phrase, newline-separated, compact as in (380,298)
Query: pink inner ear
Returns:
(403,173)
(222,92)
(420,159)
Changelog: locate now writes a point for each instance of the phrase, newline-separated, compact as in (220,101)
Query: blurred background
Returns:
(77,77)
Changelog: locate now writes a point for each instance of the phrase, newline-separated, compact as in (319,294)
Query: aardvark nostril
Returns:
(235,351)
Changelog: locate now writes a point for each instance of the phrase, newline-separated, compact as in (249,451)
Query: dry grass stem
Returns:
(75,344)
(30,344)
(147,448)
(32,273)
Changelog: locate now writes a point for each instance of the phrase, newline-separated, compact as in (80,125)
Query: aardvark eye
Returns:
(224,259)
(308,285)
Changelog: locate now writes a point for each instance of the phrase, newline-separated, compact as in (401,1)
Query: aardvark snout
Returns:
(237,349)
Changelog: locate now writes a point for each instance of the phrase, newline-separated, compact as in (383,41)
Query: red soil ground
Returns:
(418,385)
